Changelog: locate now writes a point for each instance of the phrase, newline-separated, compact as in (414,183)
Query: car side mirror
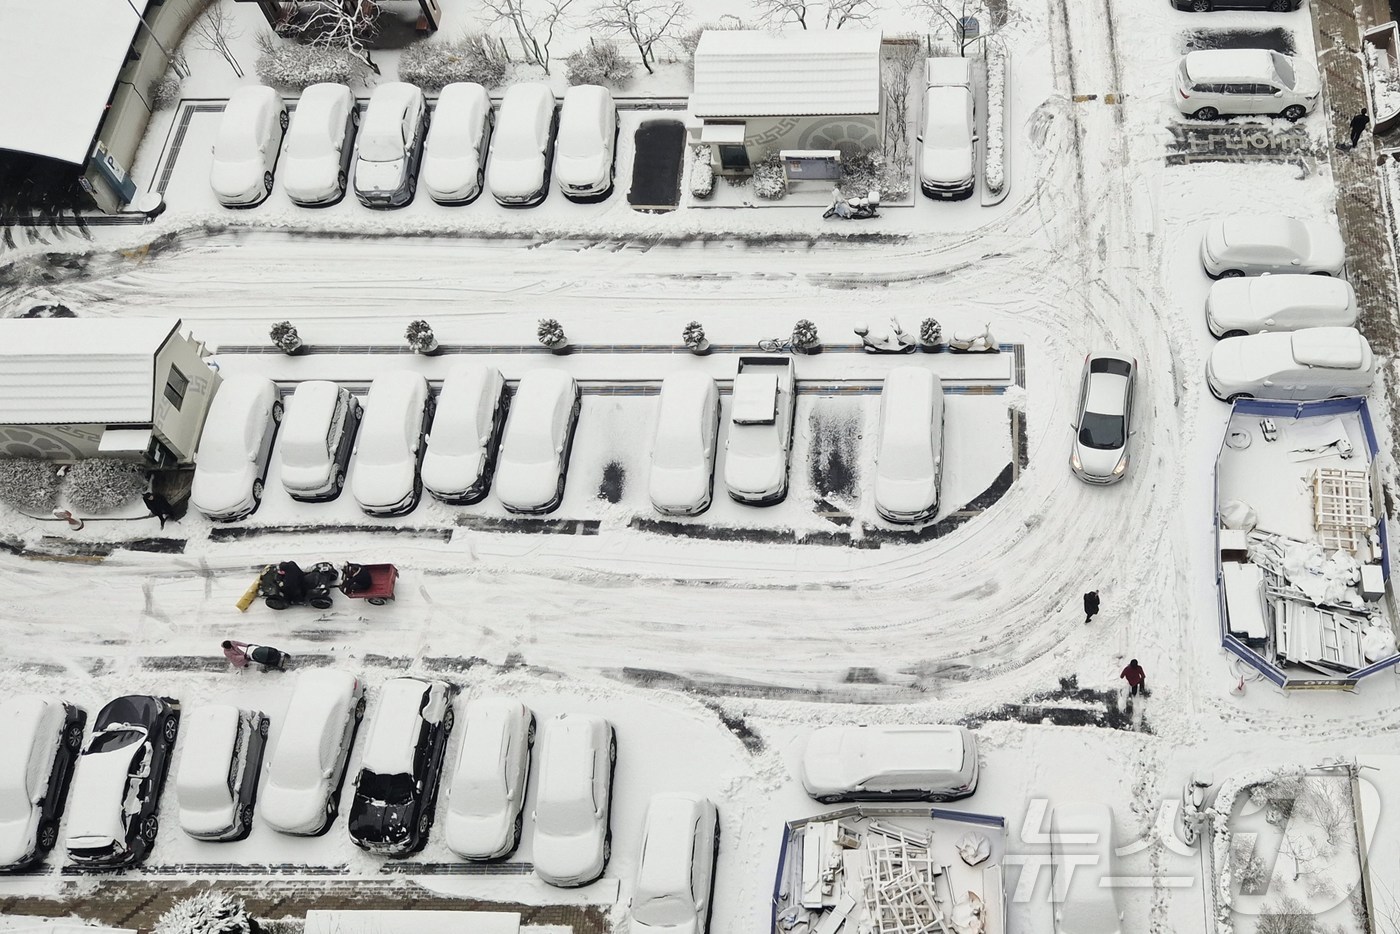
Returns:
(1296,262)
(559,449)
(1268,382)
(1269,321)
(327,773)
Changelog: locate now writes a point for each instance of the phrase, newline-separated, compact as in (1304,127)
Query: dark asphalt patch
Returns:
(530,525)
(614,476)
(1276,39)
(398,531)
(1067,705)
(740,728)
(831,464)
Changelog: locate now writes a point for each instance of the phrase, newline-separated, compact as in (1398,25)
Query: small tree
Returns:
(894,78)
(420,337)
(780,12)
(599,63)
(841,12)
(284,335)
(534,26)
(551,333)
(210,912)
(344,25)
(930,332)
(29,483)
(949,15)
(644,21)
(214,31)
(1286,916)
(693,336)
(804,335)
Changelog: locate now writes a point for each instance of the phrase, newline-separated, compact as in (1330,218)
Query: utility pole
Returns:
(180,68)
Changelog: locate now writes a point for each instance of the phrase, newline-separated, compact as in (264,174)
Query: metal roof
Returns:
(74,371)
(748,73)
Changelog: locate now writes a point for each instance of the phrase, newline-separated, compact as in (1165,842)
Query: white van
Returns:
(920,762)
(1258,304)
(584,151)
(1223,82)
(1082,867)
(317,437)
(909,459)
(949,130)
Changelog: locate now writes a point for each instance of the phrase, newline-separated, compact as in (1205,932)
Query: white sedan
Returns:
(573,808)
(466,435)
(454,158)
(583,156)
(320,145)
(235,447)
(1103,421)
(246,149)
(41,737)
(1263,244)
(681,482)
(539,435)
(486,801)
(1236,307)
(909,456)
(675,883)
(397,413)
(300,794)
(518,170)
(1314,363)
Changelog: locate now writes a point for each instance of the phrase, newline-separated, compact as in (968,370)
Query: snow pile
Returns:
(702,173)
(1238,515)
(1322,578)
(209,912)
(996,116)
(1385,80)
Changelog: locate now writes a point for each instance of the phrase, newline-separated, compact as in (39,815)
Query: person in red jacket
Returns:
(1136,678)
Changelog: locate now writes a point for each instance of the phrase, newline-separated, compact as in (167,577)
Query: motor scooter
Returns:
(1195,799)
(974,343)
(267,658)
(286,584)
(854,209)
(901,341)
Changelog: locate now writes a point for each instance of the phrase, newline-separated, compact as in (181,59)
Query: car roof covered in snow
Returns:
(1221,64)
(238,410)
(310,409)
(319,701)
(755,399)
(868,750)
(583,119)
(394,732)
(211,732)
(567,769)
(668,844)
(909,395)
(1265,230)
(1334,348)
(455,425)
(685,398)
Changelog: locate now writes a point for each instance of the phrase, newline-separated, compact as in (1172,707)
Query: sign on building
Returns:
(811,164)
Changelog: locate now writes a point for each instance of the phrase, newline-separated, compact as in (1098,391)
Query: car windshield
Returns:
(312,144)
(1102,432)
(101,851)
(569,818)
(482,799)
(237,142)
(390,789)
(677,450)
(532,446)
(1284,67)
(663,911)
(905,458)
(754,441)
(109,740)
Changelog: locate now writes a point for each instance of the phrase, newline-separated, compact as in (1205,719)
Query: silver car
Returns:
(1236,307)
(1104,417)
(1266,244)
(391,145)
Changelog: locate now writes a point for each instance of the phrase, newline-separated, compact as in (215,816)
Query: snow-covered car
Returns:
(682,475)
(949,130)
(486,800)
(888,763)
(538,440)
(1236,307)
(517,171)
(320,145)
(761,419)
(466,435)
(1214,82)
(398,410)
(1314,363)
(216,785)
(1206,6)
(573,839)
(391,146)
(116,791)
(675,883)
(1084,868)
(454,158)
(585,149)
(909,452)
(1260,244)
(246,149)
(397,785)
(318,434)
(41,737)
(235,447)
(1103,421)
(301,791)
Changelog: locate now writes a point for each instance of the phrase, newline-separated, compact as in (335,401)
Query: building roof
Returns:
(73,371)
(748,73)
(54,111)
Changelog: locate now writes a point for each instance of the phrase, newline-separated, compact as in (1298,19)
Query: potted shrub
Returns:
(551,334)
(930,335)
(284,335)
(694,338)
(702,173)
(805,338)
(421,338)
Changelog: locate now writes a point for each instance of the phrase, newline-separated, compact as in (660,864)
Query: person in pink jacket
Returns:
(236,653)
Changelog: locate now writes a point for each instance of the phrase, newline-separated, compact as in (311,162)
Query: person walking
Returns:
(236,653)
(1359,123)
(1136,678)
(159,506)
(1091,605)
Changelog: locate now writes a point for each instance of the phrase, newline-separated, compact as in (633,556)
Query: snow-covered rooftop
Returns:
(62,371)
(748,73)
(58,115)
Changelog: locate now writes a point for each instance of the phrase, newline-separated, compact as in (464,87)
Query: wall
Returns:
(848,133)
(180,428)
(50,442)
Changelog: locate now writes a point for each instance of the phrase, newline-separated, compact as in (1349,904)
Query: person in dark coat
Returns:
(1136,678)
(158,505)
(1091,605)
(1359,123)
(236,653)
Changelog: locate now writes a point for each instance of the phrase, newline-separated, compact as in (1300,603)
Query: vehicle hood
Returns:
(636,927)
(679,488)
(1306,80)
(309,178)
(379,176)
(16,839)
(1098,462)
(452,473)
(306,478)
(99,794)
(759,473)
(291,810)
(1248,359)
(527,486)
(224,492)
(516,177)
(233,180)
(380,824)
(905,497)
(383,484)
(450,174)
(478,837)
(568,858)
(953,164)
(823,767)
(581,170)
(207,820)
(1326,250)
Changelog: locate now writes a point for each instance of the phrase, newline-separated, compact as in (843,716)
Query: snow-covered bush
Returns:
(165,91)
(420,337)
(702,173)
(769,179)
(292,66)
(101,484)
(1286,916)
(804,335)
(996,116)
(872,170)
(599,63)
(689,40)
(433,65)
(28,483)
(1279,796)
(210,912)
(694,335)
(284,335)
(551,333)
(1248,867)
(930,332)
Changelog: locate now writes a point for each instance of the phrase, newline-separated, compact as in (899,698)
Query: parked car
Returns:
(885,763)
(217,783)
(1206,6)
(538,440)
(762,414)
(573,839)
(397,785)
(41,737)
(522,145)
(246,149)
(301,793)
(587,147)
(949,130)
(466,436)
(1314,363)
(1236,307)
(235,447)
(909,455)
(321,145)
(454,159)
(1083,869)
(1227,82)
(675,884)
(391,146)
(121,773)
(1103,420)
(1260,244)
(319,435)
(486,800)
(400,409)
(682,477)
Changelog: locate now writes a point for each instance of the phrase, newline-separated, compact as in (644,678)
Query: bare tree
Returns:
(894,77)
(214,31)
(778,12)
(645,22)
(841,12)
(1326,804)
(348,25)
(1286,916)
(534,29)
(950,15)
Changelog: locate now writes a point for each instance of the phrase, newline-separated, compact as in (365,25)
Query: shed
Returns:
(84,387)
(758,92)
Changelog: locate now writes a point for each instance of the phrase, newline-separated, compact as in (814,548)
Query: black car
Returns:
(42,735)
(1206,6)
(121,774)
(397,786)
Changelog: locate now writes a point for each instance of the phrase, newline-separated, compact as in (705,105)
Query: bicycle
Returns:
(776,345)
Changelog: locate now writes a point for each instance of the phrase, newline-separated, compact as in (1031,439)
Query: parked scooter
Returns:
(854,208)
(1195,799)
(974,343)
(901,341)
(268,658)
(286,584)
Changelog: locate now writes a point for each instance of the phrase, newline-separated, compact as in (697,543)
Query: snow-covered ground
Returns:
(1094,247)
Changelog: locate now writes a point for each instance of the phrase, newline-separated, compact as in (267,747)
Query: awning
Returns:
(724,134)
(125,441)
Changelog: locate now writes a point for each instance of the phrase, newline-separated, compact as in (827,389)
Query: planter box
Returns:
(1382,47)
